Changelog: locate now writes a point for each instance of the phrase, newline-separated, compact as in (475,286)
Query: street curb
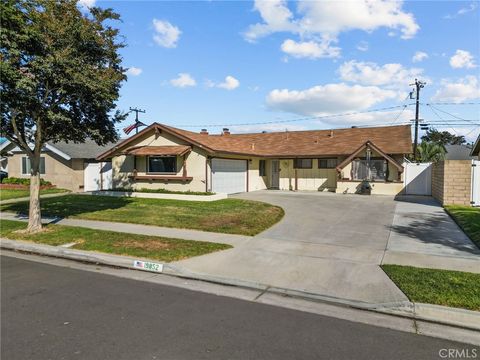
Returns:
(460,318)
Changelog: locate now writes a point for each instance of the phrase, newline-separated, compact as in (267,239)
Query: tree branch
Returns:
(20,140)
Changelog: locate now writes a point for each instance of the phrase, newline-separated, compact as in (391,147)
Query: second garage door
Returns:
(229,176)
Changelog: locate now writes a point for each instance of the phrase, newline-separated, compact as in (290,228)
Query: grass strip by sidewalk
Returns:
(7,194)
(441,287)
(152,247)
(468,218)
(231,216)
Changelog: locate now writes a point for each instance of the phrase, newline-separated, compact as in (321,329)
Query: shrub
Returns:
(24,181)
(164,191)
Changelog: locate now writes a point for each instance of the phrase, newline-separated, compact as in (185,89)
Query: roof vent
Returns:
(226,131)
(204,132)
(253,146)
(331,133)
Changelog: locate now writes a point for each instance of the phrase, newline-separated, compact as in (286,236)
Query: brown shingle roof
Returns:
(391,139)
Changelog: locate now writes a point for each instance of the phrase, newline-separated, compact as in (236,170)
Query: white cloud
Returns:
(419,56)
(462,11)
(310,49)
(462,59)
(183,80)
(362,46)
(276,17)
(327,99)
(134,71)
(230,83)
(166,34)
(467,88)
(326,19)
(84,5)
(369,73)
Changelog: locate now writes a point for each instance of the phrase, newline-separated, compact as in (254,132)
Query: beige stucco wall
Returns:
(123,167)
(65,174)
(378,188)
(307,179)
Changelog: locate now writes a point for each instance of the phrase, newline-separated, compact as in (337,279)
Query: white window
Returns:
(26,167)
(373,169)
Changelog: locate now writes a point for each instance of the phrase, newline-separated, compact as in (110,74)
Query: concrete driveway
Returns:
(327,244)
(332,245)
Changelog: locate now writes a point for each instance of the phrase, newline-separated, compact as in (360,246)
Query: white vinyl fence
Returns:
(418,178)
(475,183)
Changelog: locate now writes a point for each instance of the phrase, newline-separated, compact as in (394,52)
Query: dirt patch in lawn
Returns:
(150,245)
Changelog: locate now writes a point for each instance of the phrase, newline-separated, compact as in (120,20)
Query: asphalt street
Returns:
(52,312)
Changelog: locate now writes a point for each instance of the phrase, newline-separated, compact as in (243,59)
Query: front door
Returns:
(275,180)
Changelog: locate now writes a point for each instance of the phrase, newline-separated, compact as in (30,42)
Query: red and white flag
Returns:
(127,130)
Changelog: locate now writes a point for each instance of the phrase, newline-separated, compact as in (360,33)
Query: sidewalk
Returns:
(185,234)
(424,235)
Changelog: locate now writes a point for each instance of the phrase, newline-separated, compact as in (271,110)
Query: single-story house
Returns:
(458,152)
(476,148)
(67,165)
(340,160)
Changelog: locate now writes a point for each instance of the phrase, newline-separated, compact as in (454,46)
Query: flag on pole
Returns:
(127,130)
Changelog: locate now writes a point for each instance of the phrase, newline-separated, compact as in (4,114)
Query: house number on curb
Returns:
(148,266)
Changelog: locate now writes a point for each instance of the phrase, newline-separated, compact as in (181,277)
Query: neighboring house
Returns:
(458,152)
(338,160)
(67,165)
(476,149)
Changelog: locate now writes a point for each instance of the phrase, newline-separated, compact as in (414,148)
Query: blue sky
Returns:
(238,62)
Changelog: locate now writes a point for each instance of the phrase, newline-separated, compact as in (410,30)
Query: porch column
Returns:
(185,165)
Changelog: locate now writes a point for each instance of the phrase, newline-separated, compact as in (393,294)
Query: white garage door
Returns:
(229,176)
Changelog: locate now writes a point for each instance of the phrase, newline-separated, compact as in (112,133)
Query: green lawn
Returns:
(152,247)
(441,287)
(233,216)
(7,194)
(468,218)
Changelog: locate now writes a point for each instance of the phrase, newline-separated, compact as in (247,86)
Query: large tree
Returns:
(60,76)
(443,137)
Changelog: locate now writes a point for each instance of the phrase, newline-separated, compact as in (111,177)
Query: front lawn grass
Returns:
(468,218)
(441,287)
(7,194)
(152,247)
(233,216)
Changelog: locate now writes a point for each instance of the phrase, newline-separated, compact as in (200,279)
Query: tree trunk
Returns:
(34,214)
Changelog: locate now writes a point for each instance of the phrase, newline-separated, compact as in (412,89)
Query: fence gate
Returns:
(475,183)
(98,176)
(418,179)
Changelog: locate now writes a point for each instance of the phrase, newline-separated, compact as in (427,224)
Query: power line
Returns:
(297,119)
(433,110)
(451,103)
(446,112)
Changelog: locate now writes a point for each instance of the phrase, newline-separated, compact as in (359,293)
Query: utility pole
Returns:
(136,117)
(418,85)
